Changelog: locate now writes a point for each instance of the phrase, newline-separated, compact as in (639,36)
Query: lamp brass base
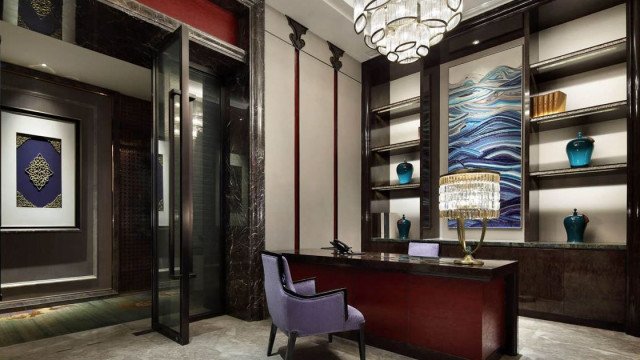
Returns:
(468,260)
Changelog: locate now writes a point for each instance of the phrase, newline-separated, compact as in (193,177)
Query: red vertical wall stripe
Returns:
(296,151)
(335,154)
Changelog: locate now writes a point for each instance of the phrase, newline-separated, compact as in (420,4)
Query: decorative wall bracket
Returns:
(298,31)
(337,54)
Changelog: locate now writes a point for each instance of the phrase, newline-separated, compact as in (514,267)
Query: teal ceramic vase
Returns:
(404,225)
(575,225)
(579,151)
(405,172)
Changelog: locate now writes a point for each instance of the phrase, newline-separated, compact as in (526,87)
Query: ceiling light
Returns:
(405,30)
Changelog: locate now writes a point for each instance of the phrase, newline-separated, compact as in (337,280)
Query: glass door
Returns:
(207,286)
(173,207)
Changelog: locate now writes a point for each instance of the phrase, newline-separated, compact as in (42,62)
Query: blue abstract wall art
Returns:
(485,126)
(38,171)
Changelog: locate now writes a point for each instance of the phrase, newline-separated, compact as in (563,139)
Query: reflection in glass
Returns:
(206,288)
(167,103)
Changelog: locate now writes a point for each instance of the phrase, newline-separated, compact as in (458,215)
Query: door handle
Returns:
(171,136)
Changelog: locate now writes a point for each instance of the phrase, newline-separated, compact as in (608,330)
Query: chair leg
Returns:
(290,345)
(272,338)
(361,343)
(330,338)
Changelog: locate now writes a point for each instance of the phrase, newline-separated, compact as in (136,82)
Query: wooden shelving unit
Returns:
(398,109)
(396,187)
(592,114)
(612,168)
(399,148)
(592,58)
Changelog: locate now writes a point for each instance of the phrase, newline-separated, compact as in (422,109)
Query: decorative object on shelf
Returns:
(547,104)
(579,151)
(404,225)
(405,172)
(39,171)
(575,225)
(470,194)
(485,127)
(405,30)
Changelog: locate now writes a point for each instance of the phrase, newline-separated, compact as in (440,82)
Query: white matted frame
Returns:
(23,218)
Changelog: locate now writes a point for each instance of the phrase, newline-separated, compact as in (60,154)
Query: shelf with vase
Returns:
(393,187)
(398,109)
(591,58)
(588,115)
(588,170)
(398,148)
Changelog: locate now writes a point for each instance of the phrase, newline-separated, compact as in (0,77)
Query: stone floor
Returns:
(229,338)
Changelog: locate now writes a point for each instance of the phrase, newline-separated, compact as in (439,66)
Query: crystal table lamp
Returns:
(470,194)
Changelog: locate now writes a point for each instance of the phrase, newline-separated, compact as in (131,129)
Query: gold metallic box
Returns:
(547,104)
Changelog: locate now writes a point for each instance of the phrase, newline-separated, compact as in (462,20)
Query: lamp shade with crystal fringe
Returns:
(470,194)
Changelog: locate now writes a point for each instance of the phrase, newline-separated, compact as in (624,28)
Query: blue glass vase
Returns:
(405,172)
(404,225)
(575,225)
(579,151)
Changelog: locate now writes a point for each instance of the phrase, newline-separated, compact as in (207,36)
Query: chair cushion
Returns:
(354,320)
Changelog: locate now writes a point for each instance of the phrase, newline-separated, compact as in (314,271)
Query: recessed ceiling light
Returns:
(476,42)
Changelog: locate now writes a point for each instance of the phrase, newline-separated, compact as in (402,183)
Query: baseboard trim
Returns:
(53,300)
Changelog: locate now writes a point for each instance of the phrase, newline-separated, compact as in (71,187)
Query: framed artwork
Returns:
(162,183)
(485,126)
(38,172)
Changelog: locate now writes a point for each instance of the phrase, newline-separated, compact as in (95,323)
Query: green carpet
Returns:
(30,325)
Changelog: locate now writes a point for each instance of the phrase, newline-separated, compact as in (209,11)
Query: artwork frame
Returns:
(485,106)
(46,190)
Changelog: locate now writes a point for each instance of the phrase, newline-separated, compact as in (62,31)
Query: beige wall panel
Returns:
(349,169)
(279,118)
(352,68)
(275,23)
(316,153)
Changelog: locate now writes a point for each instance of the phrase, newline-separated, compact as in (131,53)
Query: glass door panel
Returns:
(207,286)
(172,188)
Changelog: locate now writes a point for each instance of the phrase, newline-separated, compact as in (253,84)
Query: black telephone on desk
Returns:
(342,248)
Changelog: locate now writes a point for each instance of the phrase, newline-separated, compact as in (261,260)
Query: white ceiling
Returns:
(332,20)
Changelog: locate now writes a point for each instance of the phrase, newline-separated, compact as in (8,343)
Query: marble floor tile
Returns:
(225,337)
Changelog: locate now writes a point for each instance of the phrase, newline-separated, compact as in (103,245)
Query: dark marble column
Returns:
(245,181)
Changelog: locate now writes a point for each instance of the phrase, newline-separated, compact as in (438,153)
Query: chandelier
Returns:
(405,30)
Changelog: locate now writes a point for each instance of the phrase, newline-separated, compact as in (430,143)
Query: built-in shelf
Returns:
(611,111)
(396,187)
(399,109)
(398,148)
(595,57)
(580,171)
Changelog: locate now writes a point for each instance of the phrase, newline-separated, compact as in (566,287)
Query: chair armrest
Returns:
(305,286)
(329,299)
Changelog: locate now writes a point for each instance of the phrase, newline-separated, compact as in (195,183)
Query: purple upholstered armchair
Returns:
(297,310)
(424,249)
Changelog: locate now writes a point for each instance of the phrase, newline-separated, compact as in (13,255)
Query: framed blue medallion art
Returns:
(38,171)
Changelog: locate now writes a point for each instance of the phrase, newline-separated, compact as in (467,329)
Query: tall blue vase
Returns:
(579,151)
(405,172)
(575,225)
(404,225)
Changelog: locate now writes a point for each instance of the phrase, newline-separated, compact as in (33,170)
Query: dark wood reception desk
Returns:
(420,307)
